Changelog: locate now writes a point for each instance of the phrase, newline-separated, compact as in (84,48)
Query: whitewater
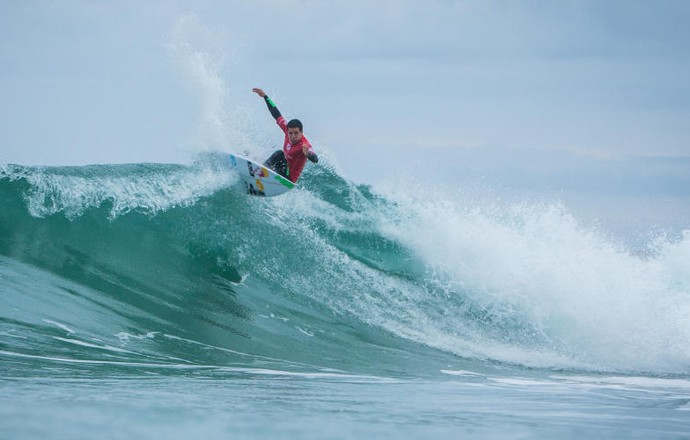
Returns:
(157,300)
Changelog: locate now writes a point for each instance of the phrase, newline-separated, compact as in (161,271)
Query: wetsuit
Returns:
(288,162)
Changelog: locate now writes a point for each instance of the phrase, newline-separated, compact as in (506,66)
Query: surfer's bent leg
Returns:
(278,163)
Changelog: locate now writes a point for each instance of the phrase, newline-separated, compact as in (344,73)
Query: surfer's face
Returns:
(294,135)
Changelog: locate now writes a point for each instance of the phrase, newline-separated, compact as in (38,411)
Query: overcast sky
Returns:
(522,88)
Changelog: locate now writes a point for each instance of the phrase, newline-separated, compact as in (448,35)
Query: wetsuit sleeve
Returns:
(272,108)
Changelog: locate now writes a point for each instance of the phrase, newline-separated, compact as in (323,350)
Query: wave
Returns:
(169,265)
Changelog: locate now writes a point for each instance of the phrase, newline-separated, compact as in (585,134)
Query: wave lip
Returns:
(149,188)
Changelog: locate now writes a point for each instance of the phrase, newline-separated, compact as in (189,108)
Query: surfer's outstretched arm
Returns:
(271,105)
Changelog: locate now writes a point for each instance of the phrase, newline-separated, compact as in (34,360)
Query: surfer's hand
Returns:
(312,156)
(259,92)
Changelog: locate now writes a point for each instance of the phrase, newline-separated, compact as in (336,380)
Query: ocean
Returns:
(157,301)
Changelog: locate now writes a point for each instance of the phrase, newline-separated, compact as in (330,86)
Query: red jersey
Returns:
(293,153)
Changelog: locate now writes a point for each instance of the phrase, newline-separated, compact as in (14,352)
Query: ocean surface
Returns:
(158,301)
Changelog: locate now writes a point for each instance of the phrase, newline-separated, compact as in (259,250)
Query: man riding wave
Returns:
(288,162)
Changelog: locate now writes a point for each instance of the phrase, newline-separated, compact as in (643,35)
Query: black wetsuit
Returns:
(277,161)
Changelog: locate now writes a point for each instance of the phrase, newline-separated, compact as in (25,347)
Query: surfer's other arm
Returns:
(269,103)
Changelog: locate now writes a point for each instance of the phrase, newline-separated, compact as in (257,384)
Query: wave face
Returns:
(169,266)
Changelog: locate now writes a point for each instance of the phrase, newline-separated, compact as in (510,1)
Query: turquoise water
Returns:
(154,300)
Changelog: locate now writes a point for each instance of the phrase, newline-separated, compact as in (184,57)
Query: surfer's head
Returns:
(294,131)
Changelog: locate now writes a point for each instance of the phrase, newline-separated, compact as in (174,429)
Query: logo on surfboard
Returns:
(258,179)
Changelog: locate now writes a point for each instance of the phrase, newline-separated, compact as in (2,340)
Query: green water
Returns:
(156,301)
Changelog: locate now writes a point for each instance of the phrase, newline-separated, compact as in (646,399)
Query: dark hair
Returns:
(295,123)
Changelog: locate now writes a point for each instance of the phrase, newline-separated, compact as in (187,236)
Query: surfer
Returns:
(288,162)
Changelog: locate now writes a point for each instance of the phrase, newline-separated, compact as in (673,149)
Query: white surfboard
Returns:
(259,180)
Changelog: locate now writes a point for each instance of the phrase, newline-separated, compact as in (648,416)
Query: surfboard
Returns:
(259,180)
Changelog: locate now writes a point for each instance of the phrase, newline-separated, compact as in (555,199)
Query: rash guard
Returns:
(294,155)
